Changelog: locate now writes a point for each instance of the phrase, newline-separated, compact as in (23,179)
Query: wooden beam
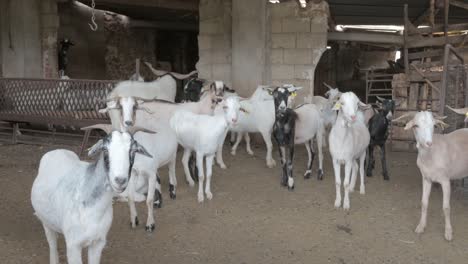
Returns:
(418,42)
(425,79)
(405,39)
(163,25)
(189,5)
(440,28)
(366,37)
(460,4)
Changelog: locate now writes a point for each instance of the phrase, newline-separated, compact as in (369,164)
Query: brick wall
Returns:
(298,37)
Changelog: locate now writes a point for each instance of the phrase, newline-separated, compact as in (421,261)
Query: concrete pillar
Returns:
(249,40)
(214,40)
(49,29)
(20,38)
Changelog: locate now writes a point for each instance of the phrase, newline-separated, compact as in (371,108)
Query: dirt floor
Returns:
(251,219)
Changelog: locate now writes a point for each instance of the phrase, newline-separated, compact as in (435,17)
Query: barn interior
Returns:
(412,51)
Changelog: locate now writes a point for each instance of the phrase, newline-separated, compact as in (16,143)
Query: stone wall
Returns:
(214,40)
(297,40)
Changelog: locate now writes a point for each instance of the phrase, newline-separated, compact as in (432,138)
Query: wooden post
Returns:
(443,88)
(405,39)
(446,14)
(137,68)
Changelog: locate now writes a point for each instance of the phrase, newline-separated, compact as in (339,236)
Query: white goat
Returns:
(74,197)
(163,146)
(259,117)
(203,134)
(441,158)
(349,138)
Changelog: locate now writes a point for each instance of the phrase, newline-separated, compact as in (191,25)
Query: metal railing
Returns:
(53,101)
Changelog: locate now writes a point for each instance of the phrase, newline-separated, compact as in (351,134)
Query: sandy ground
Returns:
(251,219)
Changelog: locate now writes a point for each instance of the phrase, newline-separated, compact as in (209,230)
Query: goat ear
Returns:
(140,149)
(270,90)
(104,110)
(293,88)
(96,148)
(409,125)
(337,106)
(244,110)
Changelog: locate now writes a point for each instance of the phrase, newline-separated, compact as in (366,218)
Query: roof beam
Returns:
(366,37)
(167,4)
(163,25)
(458,3)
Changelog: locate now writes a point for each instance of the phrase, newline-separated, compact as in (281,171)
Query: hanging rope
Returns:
(94,26)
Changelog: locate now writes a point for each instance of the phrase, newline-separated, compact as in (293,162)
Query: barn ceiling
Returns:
(363,12)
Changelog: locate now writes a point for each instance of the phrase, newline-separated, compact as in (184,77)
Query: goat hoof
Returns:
(386,178)
(307,175)
(320,175)
(150,228)
(337,203)
(419,229)
(369,174)
(135,223)
(291,188)
(448,235)
(172,193)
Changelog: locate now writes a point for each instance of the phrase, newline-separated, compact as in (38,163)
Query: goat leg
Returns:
(370,160)
(384,163)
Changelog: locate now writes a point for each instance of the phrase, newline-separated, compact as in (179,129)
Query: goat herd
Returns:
(75,198)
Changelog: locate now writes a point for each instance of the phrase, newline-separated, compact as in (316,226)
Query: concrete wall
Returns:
(297,40)
(249,41)
(271,43)
(214,40)
(20,30)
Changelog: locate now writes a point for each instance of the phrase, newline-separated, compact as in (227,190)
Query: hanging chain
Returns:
(94,26)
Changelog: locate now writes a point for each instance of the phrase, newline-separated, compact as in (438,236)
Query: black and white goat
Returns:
(74,197)
(379,131)
(296,126)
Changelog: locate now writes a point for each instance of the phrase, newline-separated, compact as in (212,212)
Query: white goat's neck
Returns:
(96,187)
(205,104)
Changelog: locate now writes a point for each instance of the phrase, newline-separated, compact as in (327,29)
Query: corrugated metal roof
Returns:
(386,12)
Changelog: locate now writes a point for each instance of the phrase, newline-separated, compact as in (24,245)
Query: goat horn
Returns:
(404,117)
(132,130)
(173,74)
(438,117)
(461,111)
(112,99)
(105,127)
(328,86)
(380,99)
(145,99)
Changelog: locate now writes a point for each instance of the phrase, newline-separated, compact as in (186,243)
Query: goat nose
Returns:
(234,120)
(429,143)
(121,181)
(128,123)
(353,117)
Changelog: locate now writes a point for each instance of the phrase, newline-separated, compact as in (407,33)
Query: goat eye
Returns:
(224,107)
